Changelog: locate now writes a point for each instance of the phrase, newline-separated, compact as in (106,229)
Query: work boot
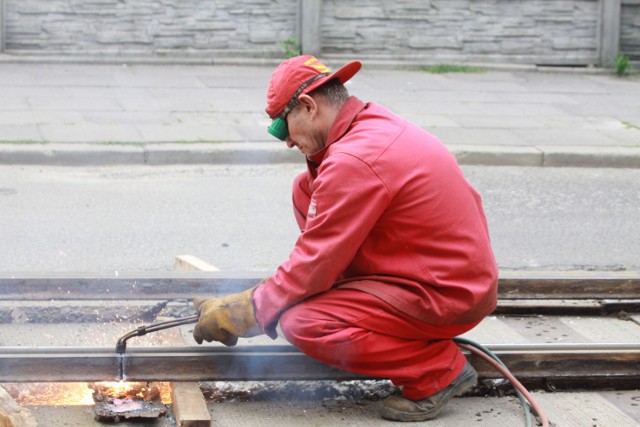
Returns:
(398,408)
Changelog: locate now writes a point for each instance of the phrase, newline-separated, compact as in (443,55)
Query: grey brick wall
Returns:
(530,31)
(149,27)
(516,31)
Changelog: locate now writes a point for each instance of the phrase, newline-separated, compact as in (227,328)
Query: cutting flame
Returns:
(133,390)
(119,389)
(51,394)
(78,394)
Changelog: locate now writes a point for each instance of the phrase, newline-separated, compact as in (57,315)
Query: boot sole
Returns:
(397,415)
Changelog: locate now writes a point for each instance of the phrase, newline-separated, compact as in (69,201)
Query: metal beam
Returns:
(168,285)
(573,285)
(186,285)
(189,363)
(531,363)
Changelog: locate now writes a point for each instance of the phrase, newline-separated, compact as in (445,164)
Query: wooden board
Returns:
(189,406)
(192,263)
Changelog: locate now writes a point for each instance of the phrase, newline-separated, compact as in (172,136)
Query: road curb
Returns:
(594,157)
(372,62)
(270,153)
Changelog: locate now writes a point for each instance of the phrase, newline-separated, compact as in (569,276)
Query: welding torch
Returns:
(121,345)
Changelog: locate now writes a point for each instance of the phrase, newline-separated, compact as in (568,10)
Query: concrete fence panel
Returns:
(149,27)
(523,31)
(553,32)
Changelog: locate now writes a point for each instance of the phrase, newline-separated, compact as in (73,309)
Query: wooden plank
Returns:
(189,406)
(193,263)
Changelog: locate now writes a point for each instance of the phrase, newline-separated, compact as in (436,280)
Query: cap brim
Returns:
(344,74)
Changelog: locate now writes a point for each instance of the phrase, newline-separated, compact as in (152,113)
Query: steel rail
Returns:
(186,285)
(613,363)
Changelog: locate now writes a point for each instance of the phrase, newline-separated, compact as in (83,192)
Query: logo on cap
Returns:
(314,63)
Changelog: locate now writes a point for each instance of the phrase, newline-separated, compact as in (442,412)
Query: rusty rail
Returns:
(540,365)
(186,285)
(532,363)
(574,293)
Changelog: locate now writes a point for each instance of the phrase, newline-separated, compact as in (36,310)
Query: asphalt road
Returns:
(135,218)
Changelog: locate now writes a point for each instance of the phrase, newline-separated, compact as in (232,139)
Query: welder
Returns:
(394,257)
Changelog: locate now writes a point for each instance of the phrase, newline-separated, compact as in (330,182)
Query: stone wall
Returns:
(559,32)
(540,31)
(149,27)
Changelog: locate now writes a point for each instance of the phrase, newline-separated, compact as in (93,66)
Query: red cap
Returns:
(291,74)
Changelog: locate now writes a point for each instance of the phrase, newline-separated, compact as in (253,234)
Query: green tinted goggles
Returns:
(279,128)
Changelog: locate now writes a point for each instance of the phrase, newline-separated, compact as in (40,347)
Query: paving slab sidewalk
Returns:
(86,114)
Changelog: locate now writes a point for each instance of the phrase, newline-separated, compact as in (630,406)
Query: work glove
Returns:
(227,318)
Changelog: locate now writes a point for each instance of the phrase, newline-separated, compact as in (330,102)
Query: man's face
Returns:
(302,133)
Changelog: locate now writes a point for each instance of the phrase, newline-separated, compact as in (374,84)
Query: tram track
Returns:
(565,298)
(572,364)
(186,285)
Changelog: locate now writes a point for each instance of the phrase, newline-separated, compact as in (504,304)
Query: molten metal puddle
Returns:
(118,401)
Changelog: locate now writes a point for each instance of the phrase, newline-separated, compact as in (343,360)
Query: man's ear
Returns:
(308,103)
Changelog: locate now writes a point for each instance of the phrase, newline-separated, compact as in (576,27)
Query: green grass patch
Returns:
(623,65)
(22,142)
(449,68)
(291,46)
(630,125)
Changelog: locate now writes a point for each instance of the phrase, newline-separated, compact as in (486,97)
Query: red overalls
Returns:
(394,258)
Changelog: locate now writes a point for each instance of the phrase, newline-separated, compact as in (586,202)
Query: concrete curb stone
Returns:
(75,154)
(594,157)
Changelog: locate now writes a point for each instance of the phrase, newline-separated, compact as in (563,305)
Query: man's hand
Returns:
(227,318)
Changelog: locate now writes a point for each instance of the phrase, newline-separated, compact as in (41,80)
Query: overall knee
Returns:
(298,328)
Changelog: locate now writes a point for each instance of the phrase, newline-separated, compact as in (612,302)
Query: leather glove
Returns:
(227,318)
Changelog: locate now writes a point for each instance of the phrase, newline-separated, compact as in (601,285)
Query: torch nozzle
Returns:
(121,345)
